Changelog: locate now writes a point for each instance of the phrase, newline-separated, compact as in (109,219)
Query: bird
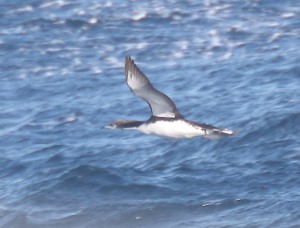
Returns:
(166,120)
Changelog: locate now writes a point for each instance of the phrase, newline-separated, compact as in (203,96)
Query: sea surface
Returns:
(231,63)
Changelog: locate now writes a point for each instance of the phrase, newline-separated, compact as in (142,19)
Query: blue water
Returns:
(230,63)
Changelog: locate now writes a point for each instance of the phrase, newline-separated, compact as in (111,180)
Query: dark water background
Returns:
(231,63)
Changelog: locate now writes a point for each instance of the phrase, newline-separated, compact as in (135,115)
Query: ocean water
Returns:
(230,63)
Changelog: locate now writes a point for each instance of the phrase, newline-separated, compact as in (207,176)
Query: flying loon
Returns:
(166,121)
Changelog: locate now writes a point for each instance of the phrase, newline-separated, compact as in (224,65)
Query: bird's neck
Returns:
(129,124)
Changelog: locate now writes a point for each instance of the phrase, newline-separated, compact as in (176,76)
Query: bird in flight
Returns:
(166,120)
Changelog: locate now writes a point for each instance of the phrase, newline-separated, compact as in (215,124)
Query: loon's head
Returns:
(124,124)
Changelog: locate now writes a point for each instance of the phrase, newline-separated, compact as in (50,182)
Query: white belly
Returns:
(172,129)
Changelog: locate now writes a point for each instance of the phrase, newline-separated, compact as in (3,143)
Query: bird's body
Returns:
(171,128)
(166,121)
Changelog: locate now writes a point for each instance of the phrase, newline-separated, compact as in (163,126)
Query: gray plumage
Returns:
(160,104)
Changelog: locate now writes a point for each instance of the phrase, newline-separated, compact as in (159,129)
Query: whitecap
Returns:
(37,69)
(108,4)
(80,12)
(53,50)
(275,36)
(65,72)
(287,15)
(57,42)
(141,45)
(215,39)
(211,13)
(139,15)
(19,30)
(77,61)
(49,74)
(226,56)
(273,24)
(177,55)
(26,9)
(22,76)
(114,61)
(177,17)
(211,204)
(138,46)
(54,3)
(57,214)
(71,118)
(96,70)
(93,20)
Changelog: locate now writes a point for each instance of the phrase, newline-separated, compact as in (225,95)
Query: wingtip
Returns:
(130,65)
(128,62)
(128,59)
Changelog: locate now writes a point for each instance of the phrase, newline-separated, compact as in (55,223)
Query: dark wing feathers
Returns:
(161,105)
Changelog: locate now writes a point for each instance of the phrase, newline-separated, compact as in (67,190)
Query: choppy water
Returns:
(231,63)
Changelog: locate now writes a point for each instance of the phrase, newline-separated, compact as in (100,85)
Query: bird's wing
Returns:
(160,104)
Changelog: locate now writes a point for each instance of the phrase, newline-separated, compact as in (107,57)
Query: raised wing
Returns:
(161,105)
